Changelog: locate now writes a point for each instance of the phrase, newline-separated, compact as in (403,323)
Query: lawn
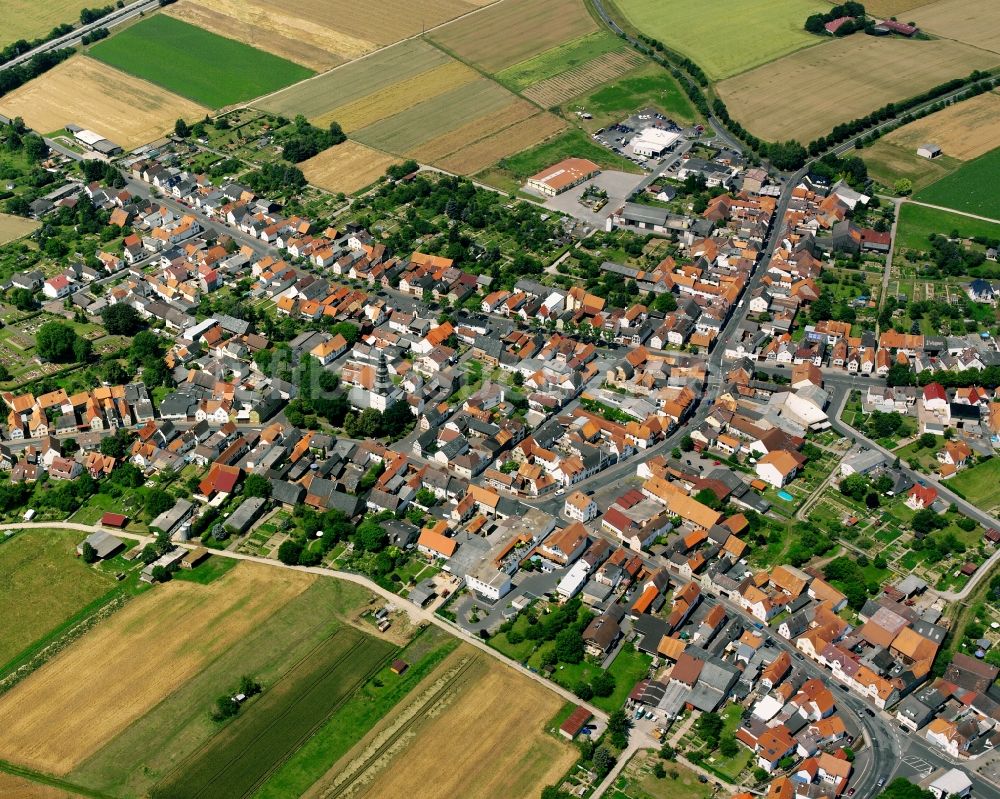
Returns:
(559,59)
(639,782)
(916,223)
(721,39)
(978,484)
(972,188)
(196,64)
(43,585)
(511,172)
(650,85)
(627,668)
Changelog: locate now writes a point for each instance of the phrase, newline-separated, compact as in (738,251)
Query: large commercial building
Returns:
(562,176)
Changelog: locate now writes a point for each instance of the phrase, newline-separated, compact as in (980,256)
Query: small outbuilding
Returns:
(928,151)
(399,666)
(116,520)
(574,725)
(194,557)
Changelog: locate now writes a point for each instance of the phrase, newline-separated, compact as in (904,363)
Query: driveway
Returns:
(618,185)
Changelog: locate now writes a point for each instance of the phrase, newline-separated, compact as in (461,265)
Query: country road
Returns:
(417,615)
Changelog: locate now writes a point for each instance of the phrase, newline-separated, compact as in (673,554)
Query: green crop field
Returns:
(42,584)
(722,38)
(648,85)
(559,59)
(196,64)
(972,188)
(244,754)
(917,222)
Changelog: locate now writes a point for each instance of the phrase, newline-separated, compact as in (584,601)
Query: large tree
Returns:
(56,342)
(122,319)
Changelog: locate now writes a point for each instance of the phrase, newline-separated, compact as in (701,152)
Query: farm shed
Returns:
(194,557)
(399,666)
(565,175)
(116,520)
(575,723)
(928,151)
(104,544)
(170,521)
(245,515)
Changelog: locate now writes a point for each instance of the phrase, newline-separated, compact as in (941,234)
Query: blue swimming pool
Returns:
(785,496)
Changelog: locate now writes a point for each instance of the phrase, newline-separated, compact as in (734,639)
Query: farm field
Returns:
(966,21)
(524,134)
(721,42)
(124,109)
(559,59)
(179,726)
(348,167)
(870,72)
(24,789)
(243,755)
(888,162)
(964,130)
(210,69)
(37,563)
(916,223)
(15,227)
(645,86)
(890,8)
(400,96)
(978,484)
(272,29)
(452,704)
(560,88)
(972,188)
(134,645)
(30,19)
(513,31)
(509,173)
(409,128)
(483,127)
(318,97)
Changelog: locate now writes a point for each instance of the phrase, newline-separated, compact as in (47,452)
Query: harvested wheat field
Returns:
(398,97)
(15,227)
(892,8)
(857,74)
(964,130)
(116,673)
(487,151)
(347,167)
(30,19)
(971,21)
(85,92)
(567,85)
(273,30)
(317,96)
(514,30)
(454,140)
(24,789)
(498,715)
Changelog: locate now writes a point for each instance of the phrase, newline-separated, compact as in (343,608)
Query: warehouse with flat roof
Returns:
(565,175)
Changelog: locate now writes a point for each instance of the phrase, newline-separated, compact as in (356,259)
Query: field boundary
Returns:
(952,211)
(421,35)
(54,782)
(419,708)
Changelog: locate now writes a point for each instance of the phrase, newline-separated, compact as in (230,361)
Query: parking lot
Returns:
(618,138)
(618,185)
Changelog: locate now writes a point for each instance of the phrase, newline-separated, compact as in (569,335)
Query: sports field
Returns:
(513,31)
(722,39)
(970,21)
(114,675)
(972,188)
(126,110)
(203,66)
(15,227)
(43,564)
(352,82)
(347,167)
(917,223)
(30,19)
(497,714)
(851,77)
